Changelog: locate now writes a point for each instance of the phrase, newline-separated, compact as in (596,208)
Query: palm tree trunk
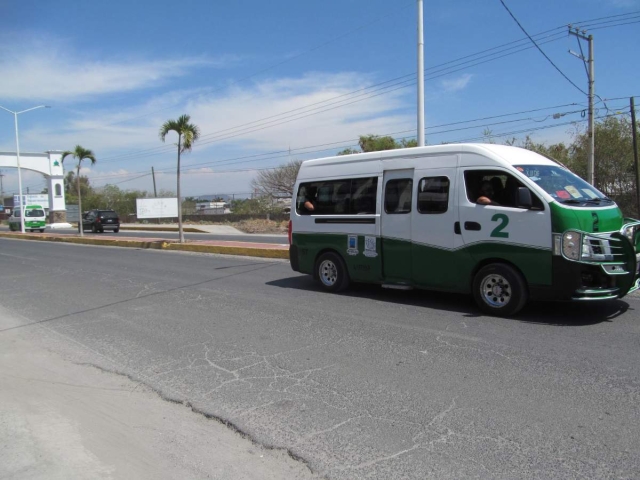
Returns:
(180,232)
(79,202)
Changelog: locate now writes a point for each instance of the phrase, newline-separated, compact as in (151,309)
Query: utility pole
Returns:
(421,139)
(591,76)
(153,174)
(635,152)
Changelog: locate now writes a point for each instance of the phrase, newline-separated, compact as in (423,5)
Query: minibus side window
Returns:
(499,186)
(338,197)
(363,195)
(397,196)
(433,195)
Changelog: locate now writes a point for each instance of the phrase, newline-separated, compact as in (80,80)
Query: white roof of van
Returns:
(508,154)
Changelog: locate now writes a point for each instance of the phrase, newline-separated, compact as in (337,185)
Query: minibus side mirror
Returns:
(524,198)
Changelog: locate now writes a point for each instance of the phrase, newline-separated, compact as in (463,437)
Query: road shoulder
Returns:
(62,420)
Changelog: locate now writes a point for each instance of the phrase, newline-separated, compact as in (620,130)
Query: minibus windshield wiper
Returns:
(573,201)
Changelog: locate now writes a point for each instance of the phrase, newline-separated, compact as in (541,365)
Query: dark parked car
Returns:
(101,220)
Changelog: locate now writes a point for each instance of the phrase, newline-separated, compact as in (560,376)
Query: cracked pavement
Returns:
(368,384)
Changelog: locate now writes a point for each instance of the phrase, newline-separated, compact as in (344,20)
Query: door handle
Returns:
(472,226)
(456,228)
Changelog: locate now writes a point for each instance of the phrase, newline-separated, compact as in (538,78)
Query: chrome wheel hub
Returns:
(328,273)
(496,291)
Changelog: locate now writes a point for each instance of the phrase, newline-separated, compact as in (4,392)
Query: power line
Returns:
(398,81)
(606,18)
(611,26)
(540,49)
(322,109)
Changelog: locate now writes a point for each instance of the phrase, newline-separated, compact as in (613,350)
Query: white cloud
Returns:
(38,70)
(456,84)
(136,129)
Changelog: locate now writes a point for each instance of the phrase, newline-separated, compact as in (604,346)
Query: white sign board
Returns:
(157,207)
(39,199)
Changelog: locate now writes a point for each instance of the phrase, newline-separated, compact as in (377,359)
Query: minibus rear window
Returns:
(34,213)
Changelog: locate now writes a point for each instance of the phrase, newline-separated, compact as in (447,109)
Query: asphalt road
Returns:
(369,384)
(279,239)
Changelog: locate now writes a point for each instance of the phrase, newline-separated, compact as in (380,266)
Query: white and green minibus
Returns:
(504,224)
(34,219)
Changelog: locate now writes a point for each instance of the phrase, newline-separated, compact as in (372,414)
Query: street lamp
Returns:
(15,117)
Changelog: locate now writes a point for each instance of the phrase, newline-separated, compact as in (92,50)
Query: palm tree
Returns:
(187,134)
(80,154)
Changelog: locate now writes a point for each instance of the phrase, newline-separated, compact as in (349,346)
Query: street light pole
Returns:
(15,118)
(420,131)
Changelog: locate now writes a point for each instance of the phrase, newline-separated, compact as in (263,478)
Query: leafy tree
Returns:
(277,182)
(255,206)
(614,167)
(374,143)
(188,133)
(79,154)
(71,187)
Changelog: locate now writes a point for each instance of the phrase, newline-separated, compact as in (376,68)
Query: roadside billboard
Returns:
(157,207)
(36,199)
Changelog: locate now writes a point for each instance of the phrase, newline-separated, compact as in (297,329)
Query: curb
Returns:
(157,245)
(163,229)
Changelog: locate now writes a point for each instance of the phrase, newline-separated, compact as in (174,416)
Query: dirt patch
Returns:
(261,226)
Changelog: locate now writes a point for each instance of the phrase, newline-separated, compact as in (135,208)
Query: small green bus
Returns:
(34,219)
(504,224)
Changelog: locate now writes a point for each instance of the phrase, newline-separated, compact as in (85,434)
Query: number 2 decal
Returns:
(504,221)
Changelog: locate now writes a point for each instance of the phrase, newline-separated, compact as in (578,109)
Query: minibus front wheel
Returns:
(500,290)
(331,272)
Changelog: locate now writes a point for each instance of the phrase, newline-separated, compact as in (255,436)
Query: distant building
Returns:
(212,208)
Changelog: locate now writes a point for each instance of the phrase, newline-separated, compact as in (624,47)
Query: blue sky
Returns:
(115,71)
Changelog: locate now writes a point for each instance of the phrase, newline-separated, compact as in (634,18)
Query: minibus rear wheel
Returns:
(500,290)
(331,272)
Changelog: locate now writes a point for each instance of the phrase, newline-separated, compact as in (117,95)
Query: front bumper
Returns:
(608,269)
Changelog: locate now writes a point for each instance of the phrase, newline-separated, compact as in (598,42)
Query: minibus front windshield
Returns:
(563,185)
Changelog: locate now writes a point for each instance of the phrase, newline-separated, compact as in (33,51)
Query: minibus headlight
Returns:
(629,232)
(572,245)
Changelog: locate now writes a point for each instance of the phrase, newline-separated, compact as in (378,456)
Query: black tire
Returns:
(42,230)
(116,230)
(101,230)
(331,272)
(500,290)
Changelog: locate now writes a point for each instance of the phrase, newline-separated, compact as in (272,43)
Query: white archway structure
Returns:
(48,164)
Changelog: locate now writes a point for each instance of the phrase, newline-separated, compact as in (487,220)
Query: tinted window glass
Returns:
(338,197)
(433,195)
(500,187)
(363,195)
(108,214)
(397,196)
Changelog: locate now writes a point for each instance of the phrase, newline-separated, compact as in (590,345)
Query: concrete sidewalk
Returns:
(172,227)
(65,420)
(251,249)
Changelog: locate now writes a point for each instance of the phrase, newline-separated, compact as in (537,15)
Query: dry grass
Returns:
(261,226)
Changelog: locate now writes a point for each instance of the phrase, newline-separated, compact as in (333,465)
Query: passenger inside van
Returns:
(487,195)
(310,199)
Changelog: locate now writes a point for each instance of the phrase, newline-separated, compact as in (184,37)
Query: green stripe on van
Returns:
(424,265)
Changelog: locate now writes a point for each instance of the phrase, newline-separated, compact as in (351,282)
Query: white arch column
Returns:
(55,184)
(48,164)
